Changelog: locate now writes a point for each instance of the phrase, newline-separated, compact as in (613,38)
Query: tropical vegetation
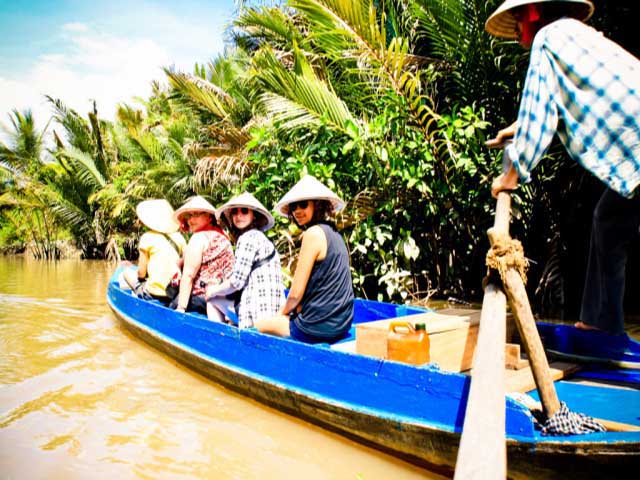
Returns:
(388,102)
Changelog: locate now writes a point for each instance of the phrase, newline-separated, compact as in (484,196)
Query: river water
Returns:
(81,398)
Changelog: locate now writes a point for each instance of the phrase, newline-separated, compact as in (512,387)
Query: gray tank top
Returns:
(327,304)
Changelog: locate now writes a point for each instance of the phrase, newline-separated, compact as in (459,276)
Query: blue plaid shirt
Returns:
(593,85)
(262,287)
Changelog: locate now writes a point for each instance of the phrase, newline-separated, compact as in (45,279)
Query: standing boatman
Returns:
(586,89)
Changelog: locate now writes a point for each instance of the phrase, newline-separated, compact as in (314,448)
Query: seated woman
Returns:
(208,257)
(319,308)
(159,251)
(257,277)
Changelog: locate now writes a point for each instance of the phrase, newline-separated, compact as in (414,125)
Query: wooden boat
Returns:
(414,412)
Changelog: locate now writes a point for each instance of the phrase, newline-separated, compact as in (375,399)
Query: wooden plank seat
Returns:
(522,380)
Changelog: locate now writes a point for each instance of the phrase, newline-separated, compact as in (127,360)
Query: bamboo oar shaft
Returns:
(503,215)
(517,295)
(521,309)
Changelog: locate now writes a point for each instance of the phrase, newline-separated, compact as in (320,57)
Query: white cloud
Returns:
(75,27)
(92,66)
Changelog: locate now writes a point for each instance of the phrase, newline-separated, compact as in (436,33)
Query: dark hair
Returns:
(322,211)
(258,222)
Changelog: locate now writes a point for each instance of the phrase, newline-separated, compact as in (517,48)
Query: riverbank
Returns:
(61,250)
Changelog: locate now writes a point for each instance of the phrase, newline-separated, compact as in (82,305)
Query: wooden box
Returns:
(452,338)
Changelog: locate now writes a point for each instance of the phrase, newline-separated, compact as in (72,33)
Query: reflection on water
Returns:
(81,398)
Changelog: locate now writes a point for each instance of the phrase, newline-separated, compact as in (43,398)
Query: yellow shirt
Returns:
(163,260)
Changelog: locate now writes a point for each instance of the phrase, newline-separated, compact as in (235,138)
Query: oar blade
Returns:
(482,453)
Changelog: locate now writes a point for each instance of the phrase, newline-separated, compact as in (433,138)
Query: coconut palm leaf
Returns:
(73,217)
(227,170)
(444,26)
(202,93)
(270,25)
(454,30)
(77,131)
(129,117)
(24,143)
(151,146)
(299,98)
(84,167)
(357,30)
(355,33)
(359,208)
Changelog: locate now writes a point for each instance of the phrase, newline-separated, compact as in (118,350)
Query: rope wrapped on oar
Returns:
(506,253)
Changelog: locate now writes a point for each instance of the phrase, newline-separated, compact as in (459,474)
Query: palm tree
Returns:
(24,197)
(23,150)
(84,165)
(220,97)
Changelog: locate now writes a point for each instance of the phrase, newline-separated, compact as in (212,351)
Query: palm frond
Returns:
(269,25)
(363,205)
(228,170)
(299,98)
(355,31)
(77,131)
(150,145)
(202,93)
(443,25)
(73,217)
(84,167)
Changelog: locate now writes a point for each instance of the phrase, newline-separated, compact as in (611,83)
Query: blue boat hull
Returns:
(415,412)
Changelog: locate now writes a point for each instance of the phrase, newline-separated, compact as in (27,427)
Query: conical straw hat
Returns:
(195,204)
(308,188)
(157,215)
(501,23)
(249,201)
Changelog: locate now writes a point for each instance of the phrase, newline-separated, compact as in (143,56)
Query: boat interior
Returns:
(587,385)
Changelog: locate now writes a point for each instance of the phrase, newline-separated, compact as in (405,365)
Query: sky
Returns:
(104,50)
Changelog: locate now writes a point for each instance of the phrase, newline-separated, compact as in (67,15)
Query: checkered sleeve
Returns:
(587,89)
(245,256)
(537,116)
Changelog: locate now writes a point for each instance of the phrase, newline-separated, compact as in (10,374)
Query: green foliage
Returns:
(9,235)
(388,103)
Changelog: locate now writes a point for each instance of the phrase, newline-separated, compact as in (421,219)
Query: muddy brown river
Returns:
(81,398)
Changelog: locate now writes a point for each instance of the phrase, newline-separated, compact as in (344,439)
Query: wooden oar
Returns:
(519,302)
(513,286)
(482,453)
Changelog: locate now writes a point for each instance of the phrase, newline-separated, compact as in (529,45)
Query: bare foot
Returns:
(585,326)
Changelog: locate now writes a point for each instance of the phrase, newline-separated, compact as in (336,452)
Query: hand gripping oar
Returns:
(482,453)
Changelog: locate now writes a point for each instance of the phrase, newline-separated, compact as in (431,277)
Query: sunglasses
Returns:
(293,206)
(238,210)
(189,215)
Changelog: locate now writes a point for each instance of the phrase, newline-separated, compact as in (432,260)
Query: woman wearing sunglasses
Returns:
(208,258)
(319,308)
(255,288)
